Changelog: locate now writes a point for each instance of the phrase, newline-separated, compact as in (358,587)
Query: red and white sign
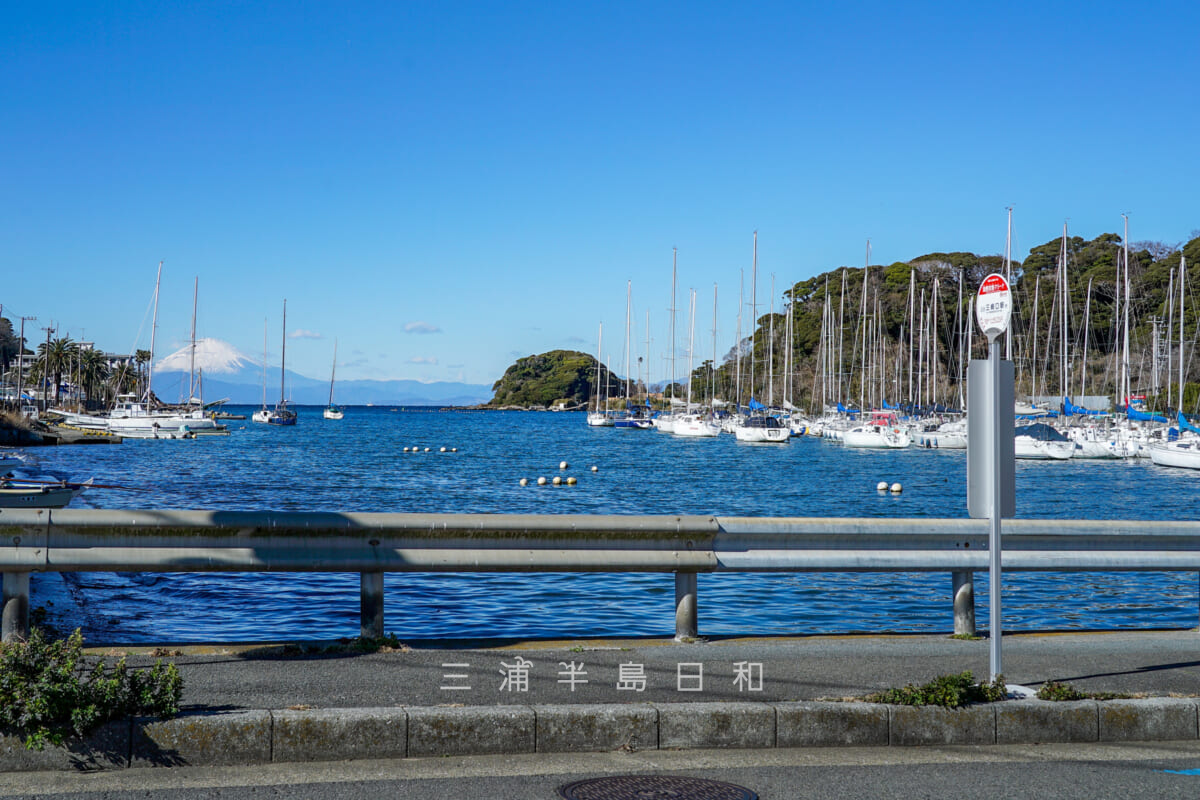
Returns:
(993,306)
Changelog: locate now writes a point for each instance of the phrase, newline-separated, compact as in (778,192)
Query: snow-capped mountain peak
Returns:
(213,356)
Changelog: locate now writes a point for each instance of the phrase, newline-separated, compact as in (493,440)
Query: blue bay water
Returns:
(358,464)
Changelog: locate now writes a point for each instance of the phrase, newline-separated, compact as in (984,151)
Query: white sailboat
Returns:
(597,417)
(694,423)
(331,411)
(263,415)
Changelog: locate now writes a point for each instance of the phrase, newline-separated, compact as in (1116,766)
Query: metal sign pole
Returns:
(994,624)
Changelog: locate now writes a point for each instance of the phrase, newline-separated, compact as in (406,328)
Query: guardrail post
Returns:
(686,626)
(964,603)
(371,605)
(15,623)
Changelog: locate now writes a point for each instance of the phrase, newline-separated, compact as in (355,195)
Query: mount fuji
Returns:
(228,372)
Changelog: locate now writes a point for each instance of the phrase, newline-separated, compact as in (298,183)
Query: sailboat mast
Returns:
(1182,284)
(192,359)
(691,349)
(647,384)
(674,259)
(153,331)
(599,352)
(1125,345)
(1063,388)
(333,372)
(1008,279)
(753,312)
(841,337)
(912,328)
(628,310)
(771,349)
(264,362)
(283,355)
(1087,321)
(713,391)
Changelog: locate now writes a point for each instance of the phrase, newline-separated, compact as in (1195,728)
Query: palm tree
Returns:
(142,358)
(56,357)
(93,372)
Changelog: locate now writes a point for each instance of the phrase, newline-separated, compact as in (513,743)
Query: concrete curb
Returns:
(259,737)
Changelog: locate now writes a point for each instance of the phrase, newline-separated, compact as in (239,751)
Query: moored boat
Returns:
(16,493)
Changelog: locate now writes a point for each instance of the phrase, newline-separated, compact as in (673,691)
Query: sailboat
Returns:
(598,417)
(263,414)
(282,415)
(332,411)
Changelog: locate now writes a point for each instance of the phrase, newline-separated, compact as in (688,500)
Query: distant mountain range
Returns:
(229,373)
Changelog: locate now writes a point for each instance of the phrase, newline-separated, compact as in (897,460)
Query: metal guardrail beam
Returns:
(371,544)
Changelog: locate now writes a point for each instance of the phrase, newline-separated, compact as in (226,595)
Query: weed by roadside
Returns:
(948,691)
(47,691)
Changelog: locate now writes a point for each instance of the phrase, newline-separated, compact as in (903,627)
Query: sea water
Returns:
(359,464)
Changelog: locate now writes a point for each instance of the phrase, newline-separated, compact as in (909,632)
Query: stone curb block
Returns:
(336,734)
(591,728)
(1151,720)
(931,725)
(472,731)
(200,739)
(814,724)
(716,725)
(106,748)
(1035,721)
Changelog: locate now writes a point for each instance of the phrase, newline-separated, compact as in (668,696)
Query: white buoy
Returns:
(562,465)
(541,481)
(557,481)
(882,486)
(595,468)
(442,450)
(453,449)
(426,449)
(406,449)
(571,481)
(897,488)
(524,481)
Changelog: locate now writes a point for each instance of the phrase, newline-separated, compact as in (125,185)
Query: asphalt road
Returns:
(1087,772)
(1154,663)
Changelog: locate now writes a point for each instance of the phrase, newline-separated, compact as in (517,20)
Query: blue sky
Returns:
(445,187)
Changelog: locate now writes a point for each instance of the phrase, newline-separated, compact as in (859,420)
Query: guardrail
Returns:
(372,544)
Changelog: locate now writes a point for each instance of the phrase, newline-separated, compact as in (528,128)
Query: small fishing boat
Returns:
(16,493)
(7,461)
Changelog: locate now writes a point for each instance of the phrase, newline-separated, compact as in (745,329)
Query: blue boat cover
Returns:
(843,410)
(886,404)
(1142,416)
(1184,425)
(755,405)
(1072,410)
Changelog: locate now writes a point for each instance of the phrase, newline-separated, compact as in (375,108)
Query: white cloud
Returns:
(422,360)
(421,327)
(301,333)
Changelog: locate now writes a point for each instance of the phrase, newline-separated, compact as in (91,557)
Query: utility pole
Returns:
(21,360)
(46,371)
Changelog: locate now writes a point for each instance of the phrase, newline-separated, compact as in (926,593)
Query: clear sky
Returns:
(444,187)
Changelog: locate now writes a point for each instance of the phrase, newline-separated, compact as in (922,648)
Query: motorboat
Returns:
(946,436)
(696,425)
(763,429)
(882,431)
(37,494)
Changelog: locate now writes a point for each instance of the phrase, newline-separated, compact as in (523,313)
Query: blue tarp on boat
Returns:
(1184,425)
(843,410)
(1071,409)
(755,405)
(1142,416)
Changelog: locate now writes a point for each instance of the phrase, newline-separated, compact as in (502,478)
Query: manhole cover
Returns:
(654,787)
